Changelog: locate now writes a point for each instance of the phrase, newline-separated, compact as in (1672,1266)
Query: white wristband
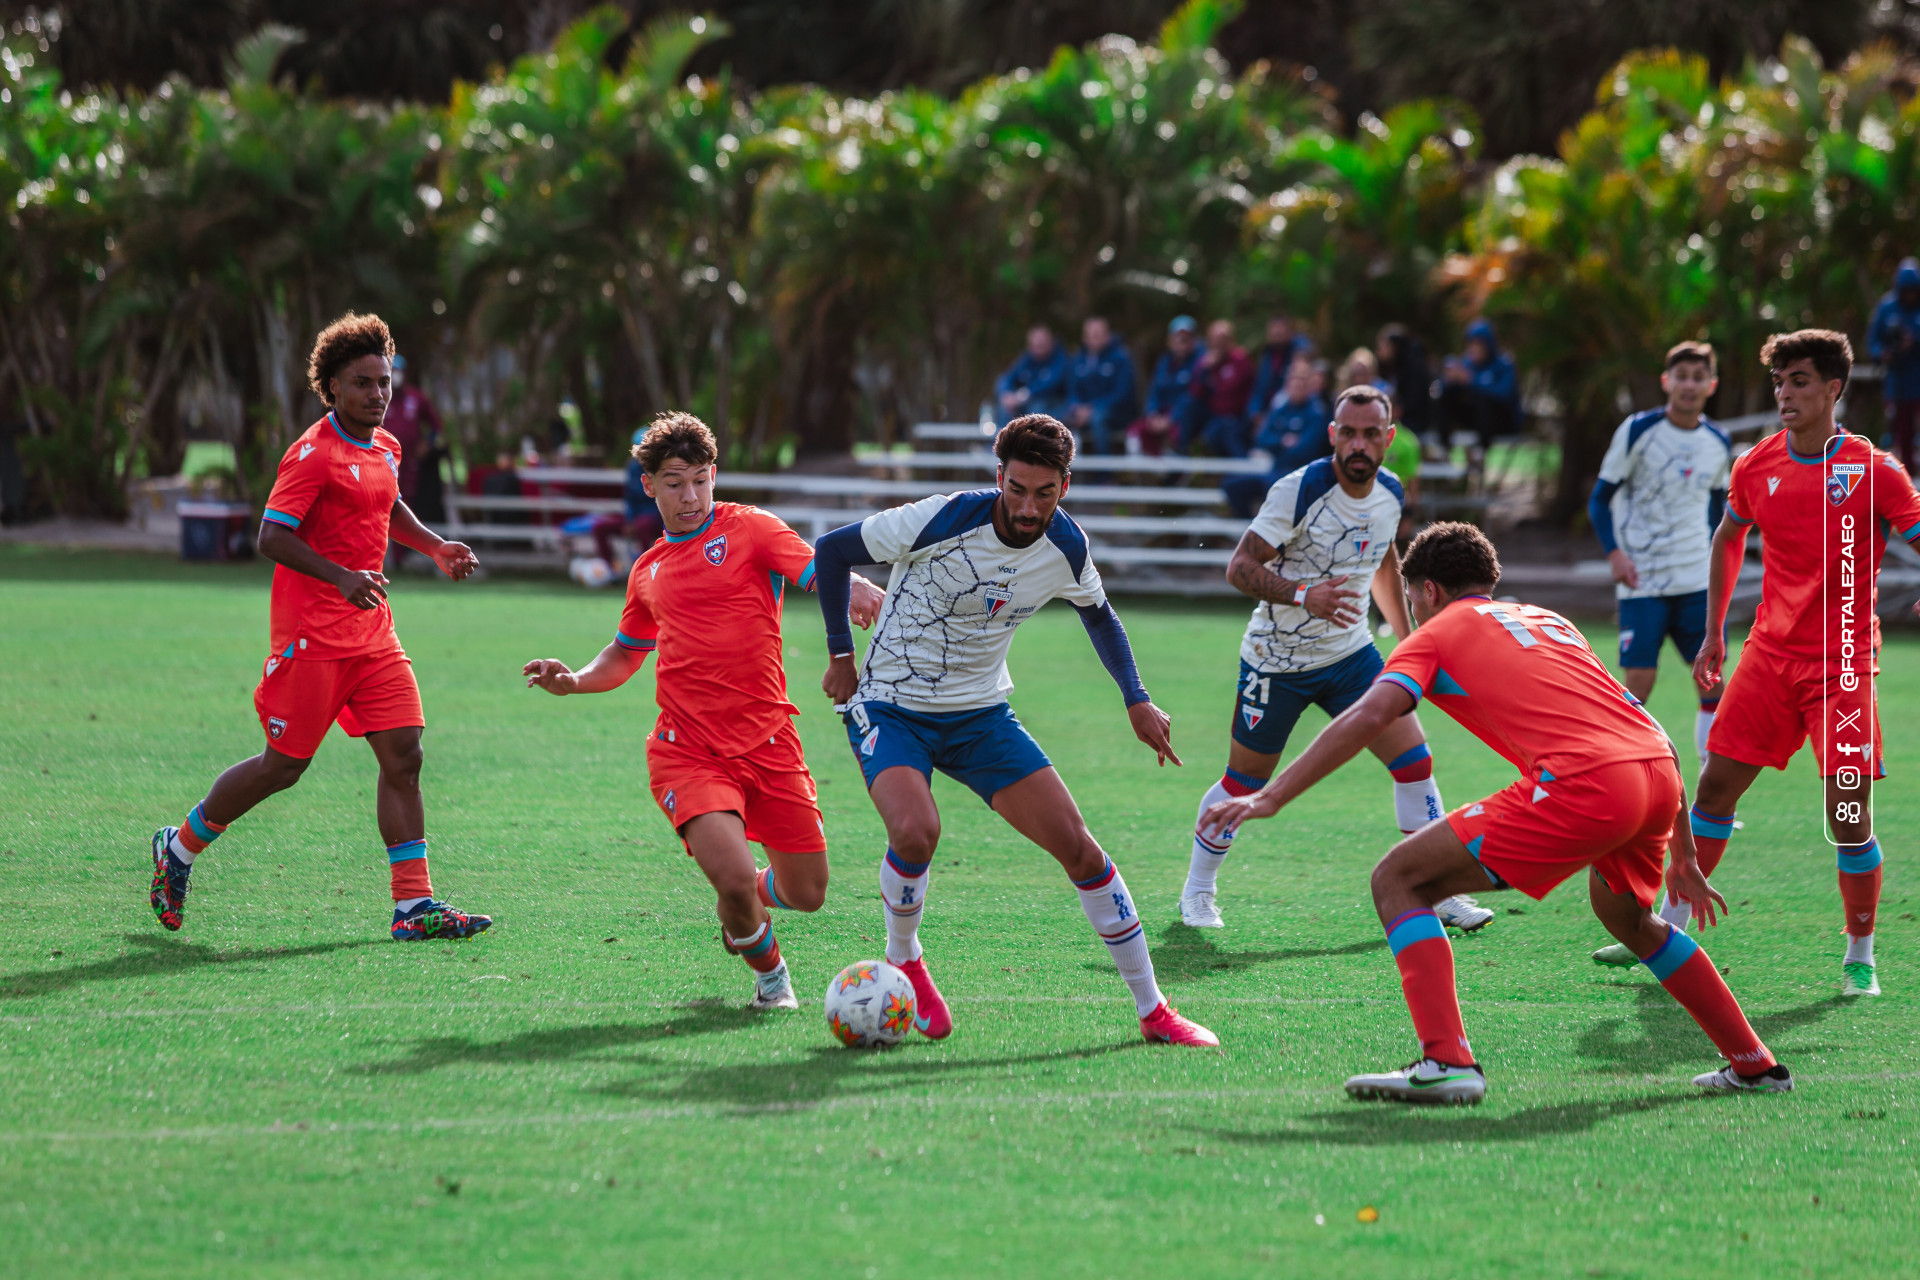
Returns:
(1300,594)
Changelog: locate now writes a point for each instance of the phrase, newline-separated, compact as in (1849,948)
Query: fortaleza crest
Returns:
(716,550)
(1360,542)
(1843,479)
(1252,715)
(998,598)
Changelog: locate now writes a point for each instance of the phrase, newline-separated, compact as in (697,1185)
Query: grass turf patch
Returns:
(280,1090)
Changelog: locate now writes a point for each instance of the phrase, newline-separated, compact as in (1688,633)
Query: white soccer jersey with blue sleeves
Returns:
(1665,475)
(1320,533)
(955,596)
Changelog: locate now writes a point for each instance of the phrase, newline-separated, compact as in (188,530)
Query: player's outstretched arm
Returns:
(456,559)
(613,667)
(1349,734)
(1150,724)
(1729,552)
(361,588)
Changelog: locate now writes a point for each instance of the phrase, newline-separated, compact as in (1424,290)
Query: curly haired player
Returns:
(334,657)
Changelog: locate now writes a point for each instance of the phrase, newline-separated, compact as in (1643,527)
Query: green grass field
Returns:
(281,1091)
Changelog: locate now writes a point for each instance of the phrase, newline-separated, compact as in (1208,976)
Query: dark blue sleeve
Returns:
(833,559)
(1600,512)
(1716,508)
(1116,654)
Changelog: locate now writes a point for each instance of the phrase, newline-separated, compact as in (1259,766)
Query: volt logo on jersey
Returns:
(998,598)
(1773,483)
(1252,715)
(1844,478)
(715,550)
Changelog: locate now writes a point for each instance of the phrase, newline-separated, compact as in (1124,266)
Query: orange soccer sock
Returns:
(1420,948)
(1687,973)
(1710,835)
(760,949)
(195,834)
(407,862)
(1860,885)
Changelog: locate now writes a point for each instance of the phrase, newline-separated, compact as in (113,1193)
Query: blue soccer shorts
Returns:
(1645,621)
(1270,705)
(985,749)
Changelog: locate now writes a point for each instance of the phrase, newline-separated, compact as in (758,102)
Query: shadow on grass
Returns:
(1390,1124)
(1660,1034)
(694,1019)
(160,956)
(1186,954)
(830,1072)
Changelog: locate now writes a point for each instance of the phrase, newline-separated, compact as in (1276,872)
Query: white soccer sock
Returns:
(1674,913)
(1702,725)
(179,850)
(1111,912)
(903,887)
(1859,950)
(1208,851)
(1415,804)
(405,905)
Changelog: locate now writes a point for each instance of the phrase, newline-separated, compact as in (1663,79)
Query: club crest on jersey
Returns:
(998,598)
(667,802)
(1843,479)
(715,550)
(275,727)
(1252,715)
(393,464)
(1360,543)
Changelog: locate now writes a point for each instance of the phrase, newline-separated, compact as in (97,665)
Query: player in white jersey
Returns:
(968,568)
(1329,523)
(1660,495)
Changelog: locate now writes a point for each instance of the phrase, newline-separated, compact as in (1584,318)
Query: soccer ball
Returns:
(590,571)
(870,1005)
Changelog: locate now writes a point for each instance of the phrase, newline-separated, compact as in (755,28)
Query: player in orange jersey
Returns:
(1599,791)
(1824,501)
(723,760)
(334,656)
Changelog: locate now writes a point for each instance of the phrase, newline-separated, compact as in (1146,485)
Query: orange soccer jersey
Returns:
(709,601)
(1522,680)
(1824,522)
(337,495)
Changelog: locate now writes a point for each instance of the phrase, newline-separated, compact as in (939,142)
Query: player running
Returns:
(1823,501)
(968,568)
(723,760)
(334,655)
(1322,526)
(1661,493)
(1599,789)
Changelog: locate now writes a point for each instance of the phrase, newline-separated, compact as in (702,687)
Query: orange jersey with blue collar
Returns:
(709,602)
(1523,680)
(336,494)
(1823,522)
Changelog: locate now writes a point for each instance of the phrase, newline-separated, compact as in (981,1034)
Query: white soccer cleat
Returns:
(1462,913)
(774,991)
(1775,1079)
(1857,979)
(1426,1081)
(1198,911)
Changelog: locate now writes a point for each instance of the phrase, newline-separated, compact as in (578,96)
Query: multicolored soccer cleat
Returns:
(1775,1079)
(436,919)
(1462,913)
(931,1018)
(1165,1026)
(169,892)
(1856,976)
(1426,1081)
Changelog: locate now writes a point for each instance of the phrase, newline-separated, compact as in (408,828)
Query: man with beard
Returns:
(1308,640)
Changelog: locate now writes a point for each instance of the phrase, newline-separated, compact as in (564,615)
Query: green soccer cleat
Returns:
(1856,979)
(1618,956)
(436,919)
(1424,1082)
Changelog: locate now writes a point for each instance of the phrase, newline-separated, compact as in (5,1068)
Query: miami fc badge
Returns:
(275,727)
(1843,479)
(716,550)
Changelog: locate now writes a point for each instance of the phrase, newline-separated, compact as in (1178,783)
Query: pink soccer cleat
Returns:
(1165,1026)
(931,1018)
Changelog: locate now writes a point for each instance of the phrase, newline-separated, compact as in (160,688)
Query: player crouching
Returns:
(723,760)
(1600,789)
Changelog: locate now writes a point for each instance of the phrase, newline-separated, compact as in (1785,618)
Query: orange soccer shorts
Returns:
(769,788)
(299,699)
(1772,705)
(1615,819)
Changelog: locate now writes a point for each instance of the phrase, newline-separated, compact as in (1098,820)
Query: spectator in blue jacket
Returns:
(1284,344)
(1037,381)
(1480,390)
(1170,404)
(1893,338)
(1293,434)
(1101,399)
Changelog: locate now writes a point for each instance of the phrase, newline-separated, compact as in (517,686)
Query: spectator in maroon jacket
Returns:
(415,423)
(1221,387)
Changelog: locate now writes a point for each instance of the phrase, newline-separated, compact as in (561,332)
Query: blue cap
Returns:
(399,363)
(1908,276)
(1184,324)
(1481,329)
